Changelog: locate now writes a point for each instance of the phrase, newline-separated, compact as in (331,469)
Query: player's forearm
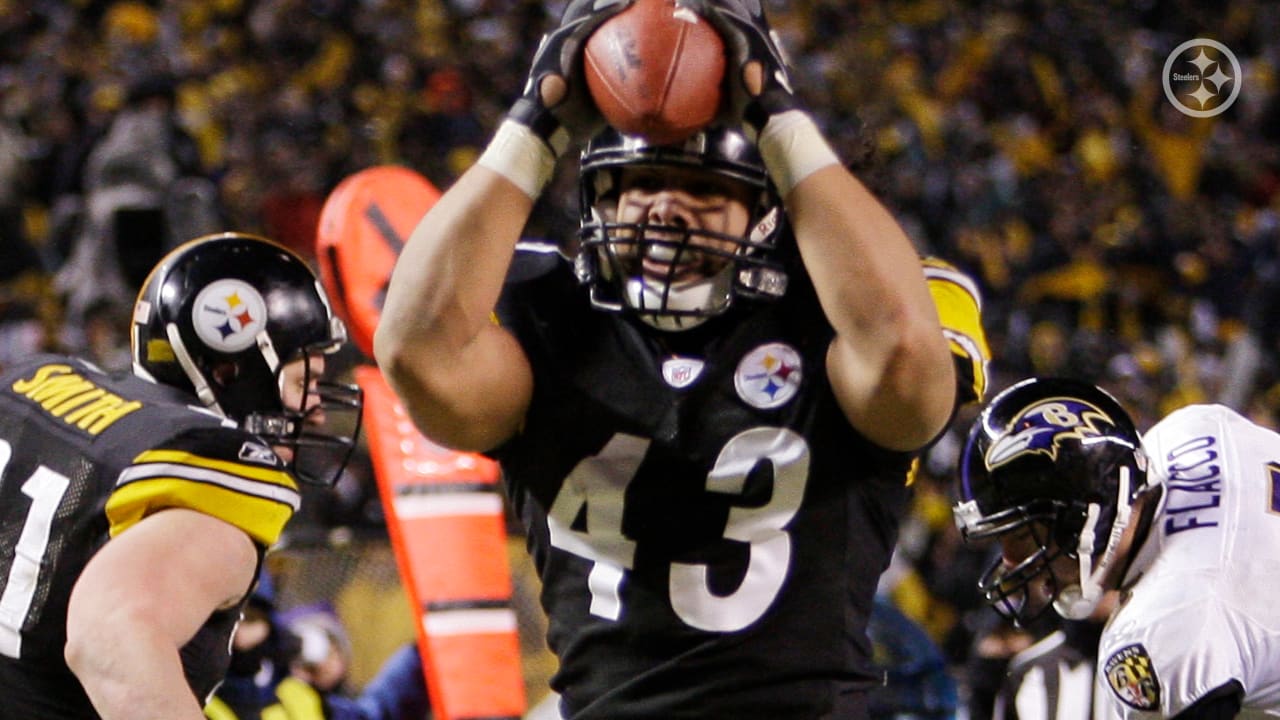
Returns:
(436,343)
(130,673)
(447,280)
(455,261)
(865,269)
(890,362)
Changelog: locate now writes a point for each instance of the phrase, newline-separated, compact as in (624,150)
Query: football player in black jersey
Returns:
(705,420)
(135,508)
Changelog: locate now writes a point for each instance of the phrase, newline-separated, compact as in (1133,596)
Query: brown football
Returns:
(656,70)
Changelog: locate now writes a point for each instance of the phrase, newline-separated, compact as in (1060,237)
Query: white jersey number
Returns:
(596,490)
(45,488)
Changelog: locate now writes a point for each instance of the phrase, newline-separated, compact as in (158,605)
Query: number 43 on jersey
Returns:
(596,490)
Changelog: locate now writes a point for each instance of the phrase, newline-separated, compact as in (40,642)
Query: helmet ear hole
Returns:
(225,372)
(1067,523)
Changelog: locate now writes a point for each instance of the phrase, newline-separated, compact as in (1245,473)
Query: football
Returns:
(656,70)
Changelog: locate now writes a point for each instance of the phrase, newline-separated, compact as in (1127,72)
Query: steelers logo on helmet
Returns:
(1041,428)
(769,376)
(228,315)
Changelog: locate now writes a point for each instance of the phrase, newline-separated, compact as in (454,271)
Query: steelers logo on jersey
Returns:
(228,315)
(768,376)
(1132,677)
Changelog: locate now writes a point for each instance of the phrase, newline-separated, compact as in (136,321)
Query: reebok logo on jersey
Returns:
(258,453)
(768,376)
(1132,677)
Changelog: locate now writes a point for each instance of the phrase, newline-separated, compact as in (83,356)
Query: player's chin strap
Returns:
(696,301)
(763,280)
(699,300)
(197,378)
(203,391)
(1077,602)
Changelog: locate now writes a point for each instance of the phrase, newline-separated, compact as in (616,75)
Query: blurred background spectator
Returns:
(262,650)
(1115,238)
(295,665)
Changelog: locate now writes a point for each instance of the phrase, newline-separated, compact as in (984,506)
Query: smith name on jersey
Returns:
(83,457)
(696,500)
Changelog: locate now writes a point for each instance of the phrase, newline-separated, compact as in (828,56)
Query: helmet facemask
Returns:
(646,268)
(1054,529)
(1008,589)
(1058,530)
(317,422)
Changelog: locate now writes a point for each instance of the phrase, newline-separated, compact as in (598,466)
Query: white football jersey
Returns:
(1202,605)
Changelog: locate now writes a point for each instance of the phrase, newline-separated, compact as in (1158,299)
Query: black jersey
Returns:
(708,526)
(83,457)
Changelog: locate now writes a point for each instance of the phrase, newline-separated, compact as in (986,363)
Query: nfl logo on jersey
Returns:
(681,372)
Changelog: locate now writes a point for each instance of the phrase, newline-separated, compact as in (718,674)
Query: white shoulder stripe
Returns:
(235,483)
(538,246)
(967,343)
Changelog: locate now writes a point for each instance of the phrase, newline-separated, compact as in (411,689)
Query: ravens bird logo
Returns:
(1041,428)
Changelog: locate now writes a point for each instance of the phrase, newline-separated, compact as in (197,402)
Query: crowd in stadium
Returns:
(1114,239)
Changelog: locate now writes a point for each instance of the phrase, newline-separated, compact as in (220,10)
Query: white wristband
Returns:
(519,155)
(793,149)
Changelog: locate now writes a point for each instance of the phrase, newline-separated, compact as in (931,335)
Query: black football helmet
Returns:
(1063,459)
(756,270)
(220,317)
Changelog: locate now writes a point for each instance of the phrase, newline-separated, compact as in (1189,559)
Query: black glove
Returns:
(556,104)
(759,83)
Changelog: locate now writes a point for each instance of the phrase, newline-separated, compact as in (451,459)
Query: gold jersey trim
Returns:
(255,499)
(959,307)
